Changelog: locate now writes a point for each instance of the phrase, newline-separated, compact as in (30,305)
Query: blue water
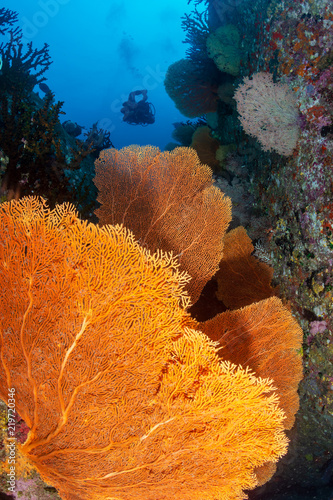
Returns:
(103,50)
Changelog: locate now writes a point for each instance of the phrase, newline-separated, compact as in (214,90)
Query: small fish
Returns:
(44,88)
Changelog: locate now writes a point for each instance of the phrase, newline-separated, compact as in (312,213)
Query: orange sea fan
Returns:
(266,338)
(206,146)
(242,279)
(169,202)
(124,399)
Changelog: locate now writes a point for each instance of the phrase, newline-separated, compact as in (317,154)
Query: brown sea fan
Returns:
(169,202)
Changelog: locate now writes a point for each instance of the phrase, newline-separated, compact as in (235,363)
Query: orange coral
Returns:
(251,337)
(169,202)
(124,399)
(205,146)
(242,279)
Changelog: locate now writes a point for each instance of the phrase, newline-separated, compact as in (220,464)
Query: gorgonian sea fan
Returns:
(124,398)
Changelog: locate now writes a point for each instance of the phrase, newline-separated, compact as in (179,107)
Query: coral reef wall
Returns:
(279,176)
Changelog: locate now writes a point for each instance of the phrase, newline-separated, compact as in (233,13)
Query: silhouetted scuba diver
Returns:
(138,112)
